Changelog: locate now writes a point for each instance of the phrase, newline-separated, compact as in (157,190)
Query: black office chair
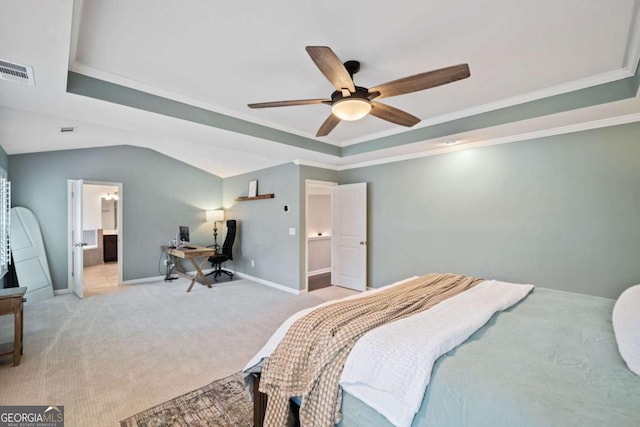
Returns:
(227,252)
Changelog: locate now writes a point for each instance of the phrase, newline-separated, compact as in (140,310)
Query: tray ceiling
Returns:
(220,56)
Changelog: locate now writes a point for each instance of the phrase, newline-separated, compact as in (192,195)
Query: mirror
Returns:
(109,214)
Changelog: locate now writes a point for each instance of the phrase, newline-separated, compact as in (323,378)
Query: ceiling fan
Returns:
(350,102)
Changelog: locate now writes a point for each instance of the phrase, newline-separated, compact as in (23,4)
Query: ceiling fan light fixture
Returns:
(351,109)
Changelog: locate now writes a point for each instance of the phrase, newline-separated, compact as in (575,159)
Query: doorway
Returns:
(95,260)
(318,233)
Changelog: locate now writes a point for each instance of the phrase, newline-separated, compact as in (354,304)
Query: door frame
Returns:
(70,228)
(307,184)
(77,246)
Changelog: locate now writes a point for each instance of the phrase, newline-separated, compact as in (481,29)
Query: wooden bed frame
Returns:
(260,406)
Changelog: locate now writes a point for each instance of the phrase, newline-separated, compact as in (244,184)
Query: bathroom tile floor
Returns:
(99,277)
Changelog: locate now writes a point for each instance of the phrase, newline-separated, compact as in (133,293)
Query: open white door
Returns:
(350,236)
(76,238)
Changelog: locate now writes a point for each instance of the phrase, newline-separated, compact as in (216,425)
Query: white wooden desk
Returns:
(186,252)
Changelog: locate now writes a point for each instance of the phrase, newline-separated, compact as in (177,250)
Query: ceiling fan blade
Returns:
(289,103)
(328,125)
(331,67)
(392,114)
(422,81)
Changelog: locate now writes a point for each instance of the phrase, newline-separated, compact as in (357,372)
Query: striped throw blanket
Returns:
(310,358)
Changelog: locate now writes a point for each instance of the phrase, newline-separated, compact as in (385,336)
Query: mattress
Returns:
(551,360)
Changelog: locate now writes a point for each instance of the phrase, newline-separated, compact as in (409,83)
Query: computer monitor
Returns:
(184,233)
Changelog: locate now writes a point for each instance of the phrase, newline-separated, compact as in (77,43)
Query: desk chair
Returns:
(227,252)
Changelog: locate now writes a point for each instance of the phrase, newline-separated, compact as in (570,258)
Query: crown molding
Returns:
(301,162)
(632,54)
(80,68)
(105,90)
(595,124)
(75,31)
(608,77)
(575,85)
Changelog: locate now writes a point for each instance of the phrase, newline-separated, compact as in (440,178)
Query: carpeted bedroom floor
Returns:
(119,352)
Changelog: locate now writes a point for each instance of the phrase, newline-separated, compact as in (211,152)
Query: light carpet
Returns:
(120,352)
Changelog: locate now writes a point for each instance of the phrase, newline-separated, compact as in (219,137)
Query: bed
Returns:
(549,360)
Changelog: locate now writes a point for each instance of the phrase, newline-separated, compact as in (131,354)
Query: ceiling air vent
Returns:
(17,73)
(68,129)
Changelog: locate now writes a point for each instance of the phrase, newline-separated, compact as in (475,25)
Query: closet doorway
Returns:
(319,232)
(335,235)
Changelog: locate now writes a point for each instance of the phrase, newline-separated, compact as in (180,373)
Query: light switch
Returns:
(292,231)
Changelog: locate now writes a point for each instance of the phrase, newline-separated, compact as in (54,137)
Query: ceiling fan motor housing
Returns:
(352,67)
(361,93)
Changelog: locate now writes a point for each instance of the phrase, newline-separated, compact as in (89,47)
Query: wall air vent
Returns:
(68,129)
(17,73)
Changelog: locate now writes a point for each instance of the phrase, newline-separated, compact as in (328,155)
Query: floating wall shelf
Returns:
(260,197)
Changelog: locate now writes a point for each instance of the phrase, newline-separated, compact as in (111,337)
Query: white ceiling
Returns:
(223,55)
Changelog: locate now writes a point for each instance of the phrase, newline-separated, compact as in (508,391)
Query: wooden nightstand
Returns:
(11,303)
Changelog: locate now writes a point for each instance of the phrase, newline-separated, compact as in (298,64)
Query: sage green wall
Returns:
(263,225)
(159,194)
(560,212)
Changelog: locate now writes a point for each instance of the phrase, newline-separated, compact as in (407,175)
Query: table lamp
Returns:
(215,216)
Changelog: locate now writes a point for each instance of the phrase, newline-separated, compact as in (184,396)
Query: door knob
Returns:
(81,244)
(363,242)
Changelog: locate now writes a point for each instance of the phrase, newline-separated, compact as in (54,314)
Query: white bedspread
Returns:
(390,367)
(277,336)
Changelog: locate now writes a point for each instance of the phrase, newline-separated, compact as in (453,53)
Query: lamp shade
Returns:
(217,215)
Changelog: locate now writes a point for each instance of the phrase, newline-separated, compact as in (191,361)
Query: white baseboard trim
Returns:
(208,270)
(155,278)
(57,292)
(321,271)
(268,283)
(142,280)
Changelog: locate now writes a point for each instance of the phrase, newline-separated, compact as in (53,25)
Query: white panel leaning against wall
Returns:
(5,226)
